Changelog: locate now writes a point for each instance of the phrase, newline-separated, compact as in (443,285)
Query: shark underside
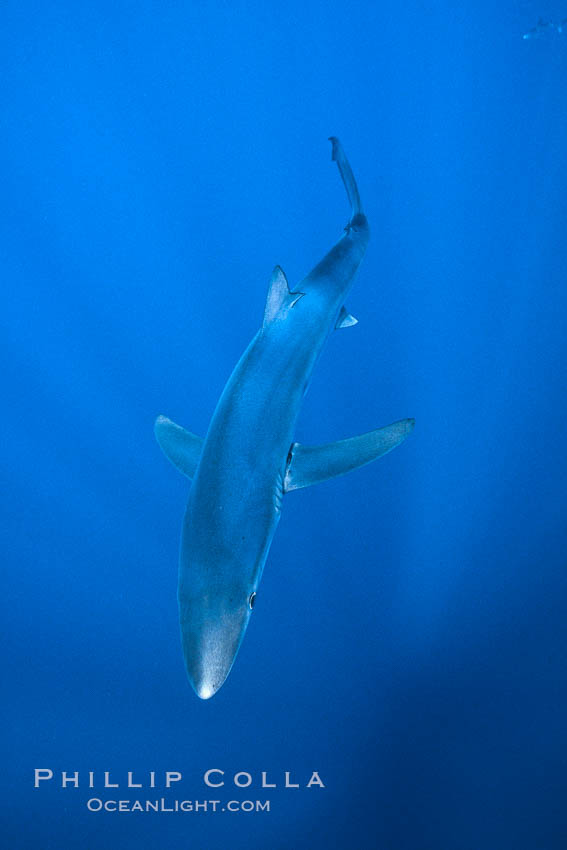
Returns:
(248,460)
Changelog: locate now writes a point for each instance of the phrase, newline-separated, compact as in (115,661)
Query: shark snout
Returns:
(208,681)
(211,640)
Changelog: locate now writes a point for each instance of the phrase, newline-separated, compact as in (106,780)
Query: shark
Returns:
(544,27)
(248,460)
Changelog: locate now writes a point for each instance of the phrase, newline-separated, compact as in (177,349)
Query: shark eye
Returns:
(252,600)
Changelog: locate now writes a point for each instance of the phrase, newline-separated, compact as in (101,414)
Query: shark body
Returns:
(248,460)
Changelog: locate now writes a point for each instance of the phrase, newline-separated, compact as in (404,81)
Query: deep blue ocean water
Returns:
(409,638)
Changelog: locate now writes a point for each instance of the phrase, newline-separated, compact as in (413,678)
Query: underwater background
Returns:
(410,632)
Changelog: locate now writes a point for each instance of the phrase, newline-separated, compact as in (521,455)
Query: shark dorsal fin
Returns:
(280,299)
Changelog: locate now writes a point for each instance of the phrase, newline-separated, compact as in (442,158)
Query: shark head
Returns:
(212,628)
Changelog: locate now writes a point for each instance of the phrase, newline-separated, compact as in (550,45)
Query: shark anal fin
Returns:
(280,300)
(313,464)
(345,319)
(179,446)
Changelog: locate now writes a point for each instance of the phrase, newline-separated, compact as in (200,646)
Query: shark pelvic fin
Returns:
(345,319)
(179,446)
(280,300)
(313,464)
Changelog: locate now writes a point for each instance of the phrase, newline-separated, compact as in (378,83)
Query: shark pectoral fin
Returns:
(179,446)
(313,464)
(345,319)
(280,299)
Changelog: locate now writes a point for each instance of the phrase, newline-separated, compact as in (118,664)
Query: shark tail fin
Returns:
(179,446)
(338,155)
(314,464)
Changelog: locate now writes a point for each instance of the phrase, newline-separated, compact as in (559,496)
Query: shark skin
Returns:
(248,460)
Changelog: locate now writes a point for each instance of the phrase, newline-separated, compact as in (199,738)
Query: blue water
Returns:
(409,638)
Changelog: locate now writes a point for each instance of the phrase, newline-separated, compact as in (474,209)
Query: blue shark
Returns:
(248,460)
(545,28)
